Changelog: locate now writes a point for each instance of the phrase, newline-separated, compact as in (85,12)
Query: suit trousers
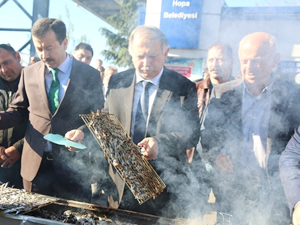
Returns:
(56,178)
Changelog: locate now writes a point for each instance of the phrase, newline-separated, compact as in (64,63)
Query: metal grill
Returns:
(124,155)
(16,200)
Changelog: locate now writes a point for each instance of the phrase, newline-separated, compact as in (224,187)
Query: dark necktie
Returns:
(54,91)
(142,114)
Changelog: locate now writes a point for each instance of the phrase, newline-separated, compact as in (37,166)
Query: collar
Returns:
(64,66)
(12,83)
(266,90)
(154,80)
(205,83)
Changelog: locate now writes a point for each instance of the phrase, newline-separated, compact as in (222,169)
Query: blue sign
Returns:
(180,21)
(289,67)
(141,16)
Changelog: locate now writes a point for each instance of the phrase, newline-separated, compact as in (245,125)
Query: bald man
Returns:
(245,132)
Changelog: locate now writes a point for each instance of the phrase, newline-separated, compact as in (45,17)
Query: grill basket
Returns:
(124,155)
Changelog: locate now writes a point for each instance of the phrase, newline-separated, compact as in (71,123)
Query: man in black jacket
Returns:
(246,130)
(11,140)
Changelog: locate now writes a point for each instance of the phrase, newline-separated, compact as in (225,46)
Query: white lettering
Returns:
(182,4)
(181,15)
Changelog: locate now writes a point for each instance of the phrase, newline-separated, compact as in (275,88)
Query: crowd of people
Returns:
(230,133)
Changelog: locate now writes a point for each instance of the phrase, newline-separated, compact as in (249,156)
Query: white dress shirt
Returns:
(63,77)
(138,90)
(256,116)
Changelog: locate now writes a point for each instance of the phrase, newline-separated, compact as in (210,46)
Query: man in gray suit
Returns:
(158,108)
(52,93)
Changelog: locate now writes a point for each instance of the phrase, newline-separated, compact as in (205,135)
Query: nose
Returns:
(44,54)
(3,68)
(215,62)
(250,65)
(146,61)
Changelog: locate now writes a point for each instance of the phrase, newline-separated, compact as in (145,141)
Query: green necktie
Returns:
(54,91)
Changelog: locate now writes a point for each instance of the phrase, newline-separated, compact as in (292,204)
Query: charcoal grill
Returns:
(56,211)
(17,201)
(124,155)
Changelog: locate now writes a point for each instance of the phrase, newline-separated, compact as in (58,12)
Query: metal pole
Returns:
(15,29)
(22,8)
(24,46)
(3,2)
(40,10)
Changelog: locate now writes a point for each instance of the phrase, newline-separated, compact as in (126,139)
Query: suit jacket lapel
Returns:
(74,70)
(128,94)
(160,100)
(278,124)
(75,80)
(238,104)
(41,84)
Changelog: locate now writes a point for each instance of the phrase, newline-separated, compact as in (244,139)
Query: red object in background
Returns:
(183,70)
(192,64)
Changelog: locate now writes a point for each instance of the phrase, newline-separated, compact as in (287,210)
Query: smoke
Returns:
(249,195)
(250,192)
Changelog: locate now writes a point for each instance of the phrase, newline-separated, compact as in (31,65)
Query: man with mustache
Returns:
(165,124)
(52,93)
(246,130)
(219,64)
(11,140)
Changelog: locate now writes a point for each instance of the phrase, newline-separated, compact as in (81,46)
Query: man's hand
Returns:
(2,154)
(296,215)
(11,156)
(190,154)
(151,148)
(223,164)
(74,135)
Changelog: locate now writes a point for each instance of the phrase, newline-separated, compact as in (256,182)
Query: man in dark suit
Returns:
(290,173)
(245,132)
(52,93)
(170,125)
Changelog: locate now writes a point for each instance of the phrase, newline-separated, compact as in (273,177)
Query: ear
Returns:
(276,60)
(18,56)
(65,43)
(166,54)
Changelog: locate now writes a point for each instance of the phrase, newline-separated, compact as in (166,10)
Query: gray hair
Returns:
(152,32)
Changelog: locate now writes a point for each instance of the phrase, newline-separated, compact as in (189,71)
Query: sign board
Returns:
(290,70)
(180,21)
(190,68)
(289,67)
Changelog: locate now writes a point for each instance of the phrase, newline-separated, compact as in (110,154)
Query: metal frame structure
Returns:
(40,10)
